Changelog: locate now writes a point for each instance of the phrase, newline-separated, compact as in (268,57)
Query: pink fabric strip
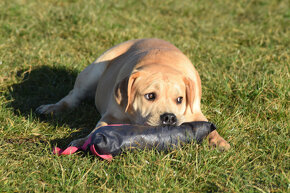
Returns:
(116,125)
(73,149)
(106,157)
(85,145)
(67,151)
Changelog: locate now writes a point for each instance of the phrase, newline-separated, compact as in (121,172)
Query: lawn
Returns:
(240,48)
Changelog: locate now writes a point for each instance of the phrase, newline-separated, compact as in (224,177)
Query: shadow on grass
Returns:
(46,85)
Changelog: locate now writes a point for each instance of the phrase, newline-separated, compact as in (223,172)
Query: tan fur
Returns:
(121,77)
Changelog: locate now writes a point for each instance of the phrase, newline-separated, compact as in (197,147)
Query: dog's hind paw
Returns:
(48,109)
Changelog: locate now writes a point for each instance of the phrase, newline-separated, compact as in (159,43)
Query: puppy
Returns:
(144,81)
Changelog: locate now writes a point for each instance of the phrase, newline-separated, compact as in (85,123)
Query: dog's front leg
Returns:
(106,119)
(214,139)
(80,142)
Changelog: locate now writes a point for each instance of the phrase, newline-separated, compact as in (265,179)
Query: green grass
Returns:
(240,48)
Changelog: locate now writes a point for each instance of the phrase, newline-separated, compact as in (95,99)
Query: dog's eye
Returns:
(179,100)
(150,96)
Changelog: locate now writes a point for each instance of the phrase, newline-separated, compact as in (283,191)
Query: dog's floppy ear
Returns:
(124,91)
(190,93)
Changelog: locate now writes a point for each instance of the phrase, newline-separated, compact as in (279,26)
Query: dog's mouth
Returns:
(149,123)
(159,123)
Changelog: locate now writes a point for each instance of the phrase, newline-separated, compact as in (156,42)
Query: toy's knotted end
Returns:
(85,145)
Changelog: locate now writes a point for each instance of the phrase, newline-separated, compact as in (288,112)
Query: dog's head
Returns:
(156,98)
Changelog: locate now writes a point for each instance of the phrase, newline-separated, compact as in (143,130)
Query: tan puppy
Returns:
(146,81)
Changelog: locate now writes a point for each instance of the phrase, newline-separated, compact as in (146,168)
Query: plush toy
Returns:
(111,140)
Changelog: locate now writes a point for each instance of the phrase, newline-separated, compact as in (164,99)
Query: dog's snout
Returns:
(168,119)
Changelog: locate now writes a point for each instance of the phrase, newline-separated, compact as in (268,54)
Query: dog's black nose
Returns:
(168,119)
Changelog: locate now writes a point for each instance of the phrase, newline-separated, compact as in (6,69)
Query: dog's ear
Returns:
(125,92)
(190,93)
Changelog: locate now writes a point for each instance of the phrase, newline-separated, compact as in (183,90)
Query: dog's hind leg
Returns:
(87,81)
(85,87)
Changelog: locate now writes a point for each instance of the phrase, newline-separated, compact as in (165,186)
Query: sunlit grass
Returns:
(240,48)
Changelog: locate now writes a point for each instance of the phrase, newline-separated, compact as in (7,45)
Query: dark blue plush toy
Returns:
(111,140)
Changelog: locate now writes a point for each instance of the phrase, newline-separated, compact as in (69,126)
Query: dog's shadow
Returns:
(46,85)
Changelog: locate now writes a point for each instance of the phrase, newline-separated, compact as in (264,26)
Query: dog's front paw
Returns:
(220,143)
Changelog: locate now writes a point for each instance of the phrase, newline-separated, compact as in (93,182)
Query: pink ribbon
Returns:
(72,149)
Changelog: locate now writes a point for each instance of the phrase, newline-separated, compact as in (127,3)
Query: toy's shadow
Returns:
(46,85)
